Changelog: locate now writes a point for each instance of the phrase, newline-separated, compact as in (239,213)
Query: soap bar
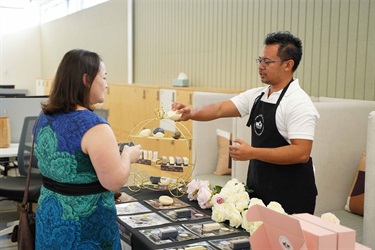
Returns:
(154,179)
(173,115)
(171,160)
(210,227)
(169,232)
(183,213)
(186,161)
(165,200)
(178,161)
(240,244)
(195,248)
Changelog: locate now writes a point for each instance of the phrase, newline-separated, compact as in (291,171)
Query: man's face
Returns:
(271,68)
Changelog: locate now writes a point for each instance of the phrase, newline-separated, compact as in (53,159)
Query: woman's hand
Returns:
(133,152)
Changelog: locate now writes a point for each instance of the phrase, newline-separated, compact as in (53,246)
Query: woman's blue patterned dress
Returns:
(71,222)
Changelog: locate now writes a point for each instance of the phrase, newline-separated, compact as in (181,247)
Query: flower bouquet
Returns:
(231,203)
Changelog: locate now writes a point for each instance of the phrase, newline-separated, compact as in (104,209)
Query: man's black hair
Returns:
(290,46)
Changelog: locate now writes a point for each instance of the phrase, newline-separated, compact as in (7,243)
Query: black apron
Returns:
(293,186)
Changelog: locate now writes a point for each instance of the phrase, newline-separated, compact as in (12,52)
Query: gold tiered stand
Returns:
(175,182)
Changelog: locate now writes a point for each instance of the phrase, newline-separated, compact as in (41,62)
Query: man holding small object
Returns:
(282,119)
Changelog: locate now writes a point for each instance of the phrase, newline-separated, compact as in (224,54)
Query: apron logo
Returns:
(259,125)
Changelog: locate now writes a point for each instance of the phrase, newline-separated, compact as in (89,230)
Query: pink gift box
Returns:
(281,231)
(345,236)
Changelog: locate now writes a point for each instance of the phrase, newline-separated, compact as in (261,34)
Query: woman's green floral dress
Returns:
(71,222)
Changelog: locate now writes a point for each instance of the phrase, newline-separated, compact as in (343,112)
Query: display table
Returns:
(8,156)
(137,240)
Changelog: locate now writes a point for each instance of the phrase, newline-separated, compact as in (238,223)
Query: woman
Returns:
(79,159)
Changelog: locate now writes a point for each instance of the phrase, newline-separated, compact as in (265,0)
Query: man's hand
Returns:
(181,108)
(240,151)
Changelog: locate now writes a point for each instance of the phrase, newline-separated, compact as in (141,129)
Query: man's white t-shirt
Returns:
(296,115)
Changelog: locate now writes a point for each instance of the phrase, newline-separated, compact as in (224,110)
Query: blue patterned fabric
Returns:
(71,222)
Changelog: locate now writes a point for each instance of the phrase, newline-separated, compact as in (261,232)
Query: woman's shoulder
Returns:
(88,116)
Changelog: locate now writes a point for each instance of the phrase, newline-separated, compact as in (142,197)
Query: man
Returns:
(282,119)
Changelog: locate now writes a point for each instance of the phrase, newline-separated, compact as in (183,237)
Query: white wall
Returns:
(101,28)
(20,59)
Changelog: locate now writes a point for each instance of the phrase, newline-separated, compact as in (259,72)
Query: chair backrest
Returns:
(24,148)
(102,112)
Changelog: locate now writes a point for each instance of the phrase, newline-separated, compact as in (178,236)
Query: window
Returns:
(25,14)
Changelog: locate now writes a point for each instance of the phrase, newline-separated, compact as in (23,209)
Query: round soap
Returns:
(165,200)
(145,132)
(158,130)
(176,135)
(173,115)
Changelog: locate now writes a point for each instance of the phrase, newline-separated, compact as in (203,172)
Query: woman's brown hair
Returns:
(68,89)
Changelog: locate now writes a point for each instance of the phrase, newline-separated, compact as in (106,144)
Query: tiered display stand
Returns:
(172,177)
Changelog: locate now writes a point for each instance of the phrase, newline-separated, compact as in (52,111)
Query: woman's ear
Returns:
(86,80)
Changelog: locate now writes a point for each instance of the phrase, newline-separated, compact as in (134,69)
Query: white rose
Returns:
(232,182)
(275,206)
(217,199)
(242,201)
(245,223)
(254,226)
(330,217)
(218,213)
(254,201)
(235,218)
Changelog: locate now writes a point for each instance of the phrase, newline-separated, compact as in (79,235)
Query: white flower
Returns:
(252,226)
(230,203)
(245,223)
(254,201)
(276,207)
(242,201)
(219,213)
(192,189)
(235,218)
(194,186)
(217,199)
(330,217)
(204,197)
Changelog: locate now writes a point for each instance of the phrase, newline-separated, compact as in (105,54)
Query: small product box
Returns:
(278,231)
(318,237)
(281,231)
(345,236)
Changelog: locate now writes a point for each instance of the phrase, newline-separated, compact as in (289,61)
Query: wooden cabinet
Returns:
(129,105)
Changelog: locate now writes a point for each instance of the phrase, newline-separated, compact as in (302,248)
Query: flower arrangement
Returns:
(228,203)
(232,202)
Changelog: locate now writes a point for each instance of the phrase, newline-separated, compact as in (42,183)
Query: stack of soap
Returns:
(182,213)
(239,244)
(169,232)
